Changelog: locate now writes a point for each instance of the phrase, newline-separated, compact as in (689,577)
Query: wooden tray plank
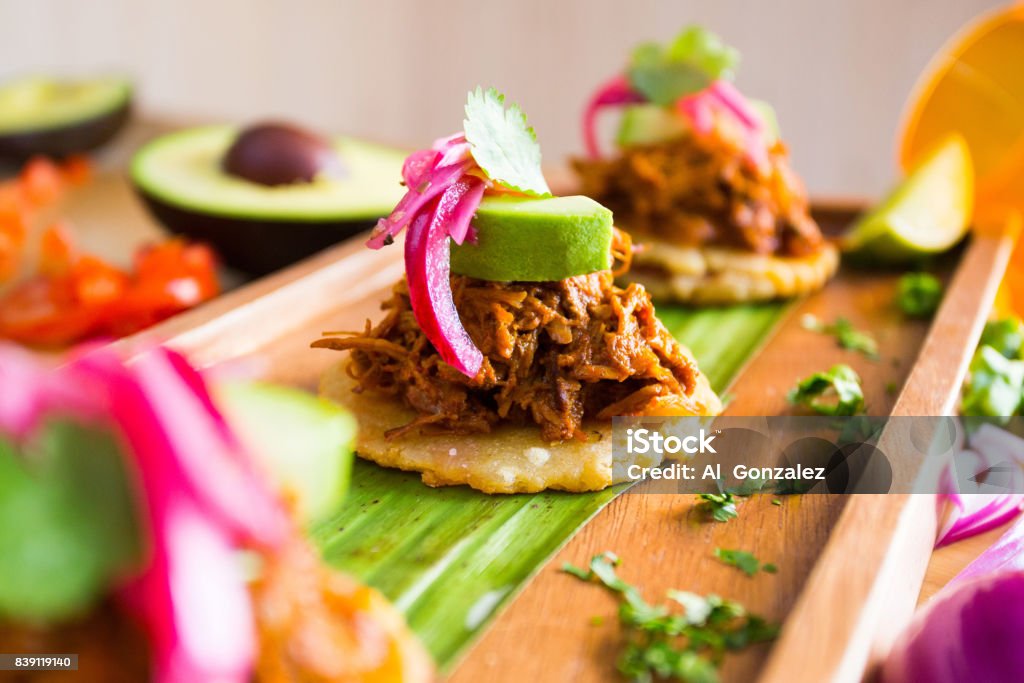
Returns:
(546,632)
(950,560)
(864,588)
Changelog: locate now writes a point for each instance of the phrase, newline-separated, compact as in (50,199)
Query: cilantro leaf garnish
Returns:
(834,392)
(720,507)
(919,295)
(995,385)
(662,643)
(995,381)
(848,336)
(502,144)
(750,486)
(1006,336)
(690,63)
(68,524)
(744,561)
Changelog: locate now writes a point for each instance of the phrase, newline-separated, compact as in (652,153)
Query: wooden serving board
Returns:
(848,567)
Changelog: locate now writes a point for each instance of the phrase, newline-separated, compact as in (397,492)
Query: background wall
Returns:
(837,71)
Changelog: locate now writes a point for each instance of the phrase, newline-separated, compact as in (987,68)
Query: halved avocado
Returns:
(58,118)
(258,227)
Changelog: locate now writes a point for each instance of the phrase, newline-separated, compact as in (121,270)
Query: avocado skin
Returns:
(66,140)
(253,246)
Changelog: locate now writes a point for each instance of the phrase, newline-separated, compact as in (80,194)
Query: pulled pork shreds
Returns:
(316,625)
(110,648)
(694,190)
(554,354)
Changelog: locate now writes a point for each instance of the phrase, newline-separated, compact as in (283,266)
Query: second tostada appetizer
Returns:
(507,348)
(702,181)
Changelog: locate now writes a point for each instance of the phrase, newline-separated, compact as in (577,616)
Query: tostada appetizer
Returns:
(141,533)
(507,348)
(702,181)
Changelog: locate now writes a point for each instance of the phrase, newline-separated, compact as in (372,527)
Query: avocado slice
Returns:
(259,228)
(536,240)
(303,442)
(58,118)
(649,124)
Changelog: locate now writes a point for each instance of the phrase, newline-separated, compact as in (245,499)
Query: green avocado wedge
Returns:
(536,240)
(651,124)
(61,117)
(303,442)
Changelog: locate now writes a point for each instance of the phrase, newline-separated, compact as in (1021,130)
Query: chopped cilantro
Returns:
(776,501)
(502,144)
(578,572)
(750,486)
(891,388)
(720,507)
(861,429)
(995,385)
(690,63)
(744,561)
(848,336)
(741,559)
(995,381)
(834,392)
(661,643)
(1006,336)
(919,294)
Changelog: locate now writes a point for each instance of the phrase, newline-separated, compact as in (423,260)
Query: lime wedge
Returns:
(928,213)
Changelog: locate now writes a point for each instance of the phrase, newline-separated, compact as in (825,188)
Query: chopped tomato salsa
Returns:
(72,296)
(90,298)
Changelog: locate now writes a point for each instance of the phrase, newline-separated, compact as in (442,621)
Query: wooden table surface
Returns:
(110,221)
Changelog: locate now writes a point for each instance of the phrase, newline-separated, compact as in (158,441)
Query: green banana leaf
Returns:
(450,558)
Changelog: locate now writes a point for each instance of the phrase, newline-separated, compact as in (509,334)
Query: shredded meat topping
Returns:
(700,189)
(316,625)
(110,648)
(554,354)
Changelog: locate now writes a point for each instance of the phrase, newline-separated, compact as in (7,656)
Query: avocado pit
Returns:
(280,154)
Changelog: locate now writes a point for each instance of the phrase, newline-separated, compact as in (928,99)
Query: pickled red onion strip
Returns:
(430,185)
(428,271)
(614,93)
(444,192)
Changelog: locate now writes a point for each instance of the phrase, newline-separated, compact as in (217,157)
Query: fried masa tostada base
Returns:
(509,459)
(723,275)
